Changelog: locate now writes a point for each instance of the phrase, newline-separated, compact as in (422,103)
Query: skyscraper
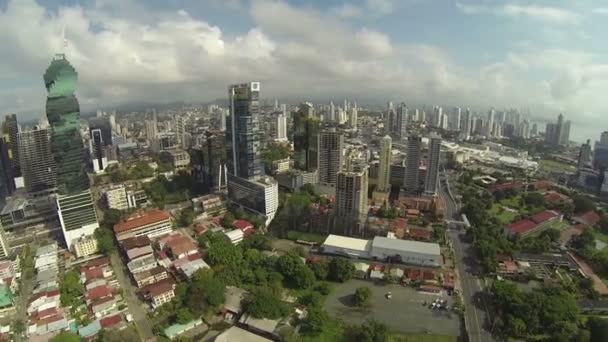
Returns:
(331,144)
(332,112)
(600,152)
(7,184)
(490,123)
(564,134)
(281,128)
(242,131)
(412,180)
(209,161)
(351,201)
(305,138)
(10,132)
(179,126)
(466,123)
(384,167)
(454,120)
(353,117)
(584,155)
(37,163)
(97,150)
(74,201)
(432,168)
(247,186)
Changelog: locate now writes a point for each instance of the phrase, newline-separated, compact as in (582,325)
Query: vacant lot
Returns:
(403,313)
(504,216)
(422,338)
(548,165)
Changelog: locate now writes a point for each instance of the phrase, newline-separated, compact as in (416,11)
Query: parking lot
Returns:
(404,312)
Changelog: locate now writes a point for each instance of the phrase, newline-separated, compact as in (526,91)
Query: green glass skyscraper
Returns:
(74,201)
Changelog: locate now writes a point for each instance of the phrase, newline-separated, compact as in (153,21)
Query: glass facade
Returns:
(305,140)
(63,112)
(243,132)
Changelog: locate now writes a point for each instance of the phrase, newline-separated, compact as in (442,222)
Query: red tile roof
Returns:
(589,218)
(99,262)
(419,233)
(555,197)
(158,288)
(138,220)
(94,273)
(45,313)
(98,292)
(134,242)
(544,216)
(110,321)
(505,186)
(542,184)
(521,226)
(242,225)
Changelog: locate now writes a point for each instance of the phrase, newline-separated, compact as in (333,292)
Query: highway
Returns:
(468,269)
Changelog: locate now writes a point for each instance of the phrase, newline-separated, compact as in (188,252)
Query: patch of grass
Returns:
(310,237)
(504,217)
(513,202)
(548,165)
(421,338)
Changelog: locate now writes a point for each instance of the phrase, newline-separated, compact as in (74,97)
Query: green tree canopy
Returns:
(66,337)
(71,289)
(341,269)
(320,269)
(105,240)
(186,217)
(373,331)
(263,303)
(205,292)
(362,295)
(598,328)
(583,204)
(295,271)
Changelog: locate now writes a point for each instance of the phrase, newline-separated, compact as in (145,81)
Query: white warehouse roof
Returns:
(406,245)
(347,242)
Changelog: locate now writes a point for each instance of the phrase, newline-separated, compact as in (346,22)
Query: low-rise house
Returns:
(150,276)
(97,293)
(104,306)
(111,322)
(141,264)
(190,267)
(135,242)
(361,270)
(54,323)
(233,307)
(245,226)
(43,300)
(235,333)
(90,330)
(152,224)
(178,245)
(587,219)
(159,293)
(6,269)
(178,329)
(234,236)
(262,326)
(534,224)
(137,252)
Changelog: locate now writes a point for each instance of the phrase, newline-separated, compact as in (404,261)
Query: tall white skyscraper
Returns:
(454,122)
(352,121)
(465,124)
(332,112)
(384,167)
(281,128)
(432,168)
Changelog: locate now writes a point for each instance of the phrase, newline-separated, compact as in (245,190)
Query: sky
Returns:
(544,56)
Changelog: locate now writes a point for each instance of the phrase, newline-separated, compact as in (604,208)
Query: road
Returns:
(136,307)
(468,268)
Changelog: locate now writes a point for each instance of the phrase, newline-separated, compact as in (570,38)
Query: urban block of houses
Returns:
(178,245)
(534,224)
(150,276)
(177,329)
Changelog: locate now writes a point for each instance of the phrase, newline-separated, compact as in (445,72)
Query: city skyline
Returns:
(452,63)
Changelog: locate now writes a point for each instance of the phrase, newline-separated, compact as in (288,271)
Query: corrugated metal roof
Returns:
(406,245)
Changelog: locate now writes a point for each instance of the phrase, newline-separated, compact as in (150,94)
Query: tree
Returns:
(183,316)
(257,241)
(316,321)
(320,269)
(111,217)
(125,335)
(361,297)
(222,252)
(228,219)
(598,328)
(583,204)
(603,224)
(310,299)
(70,289)
(295,271)
(373,331)
(341,269)
(105,240)
(533,200)
(263,303)
(66,337)
(141,169)
(186,217)
(205,291)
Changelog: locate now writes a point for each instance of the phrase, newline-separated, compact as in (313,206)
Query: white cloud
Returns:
(600,10)
(380,6)
(541,13)
(347,11)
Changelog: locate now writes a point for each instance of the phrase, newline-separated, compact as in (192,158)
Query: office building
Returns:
(412,180)
(305,138)
(466,123)
(98,152)
(7,184)
(351,201)
(398,122)
(243,132)
(564,134)
(584,155)
(102,124)
(37,163)
(209,161)
(432,168)
(281,128)
(384,167)
(490,123)
(116,197)
(151,130)
(558,133)
(179,127)
(524,129)
(330,160)
(454,120)
(176,157)
(152,224)
(260,195)
(332,112)
(10,131)
(74,200)
(353,117)
(600,152)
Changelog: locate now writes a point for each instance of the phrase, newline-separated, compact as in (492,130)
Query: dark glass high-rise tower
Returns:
(63,112)
(74,201)
(305,138)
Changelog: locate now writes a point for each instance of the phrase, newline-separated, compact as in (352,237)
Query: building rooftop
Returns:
(234,334)
(521,226)
(136,241)
(347,242)
(6,297)
(140,219)
(406,245)
(159,288)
